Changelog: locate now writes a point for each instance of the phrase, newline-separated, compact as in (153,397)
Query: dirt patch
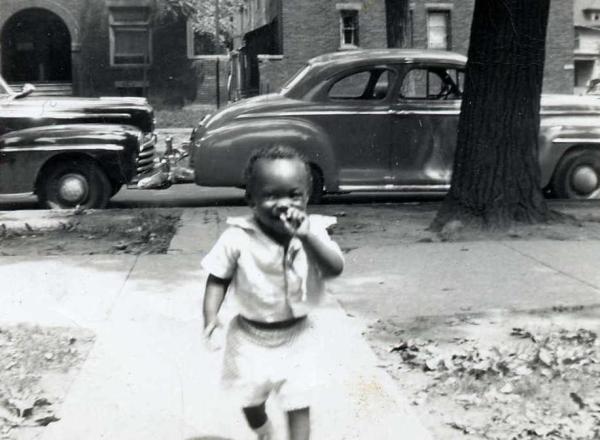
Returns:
(387,223)
(37,366)
(498,375)
(136,231)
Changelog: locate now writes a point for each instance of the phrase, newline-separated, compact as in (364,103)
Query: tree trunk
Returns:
(496,174)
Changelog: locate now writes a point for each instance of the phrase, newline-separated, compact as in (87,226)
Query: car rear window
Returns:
(372,84)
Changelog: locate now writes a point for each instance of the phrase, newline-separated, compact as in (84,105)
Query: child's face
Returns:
(278,184)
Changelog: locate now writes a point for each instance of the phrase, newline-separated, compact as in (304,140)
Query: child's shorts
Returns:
(259,360)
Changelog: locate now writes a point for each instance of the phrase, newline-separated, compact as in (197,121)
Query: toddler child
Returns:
(274,262)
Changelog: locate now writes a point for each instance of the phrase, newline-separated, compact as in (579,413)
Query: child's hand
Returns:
(295,222)
(208,336)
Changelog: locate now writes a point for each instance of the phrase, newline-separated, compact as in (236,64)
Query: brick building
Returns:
(275,37)
(104,47)
(587,43)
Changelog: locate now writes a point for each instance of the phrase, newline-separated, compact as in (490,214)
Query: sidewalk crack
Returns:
(555,269)
(120,292)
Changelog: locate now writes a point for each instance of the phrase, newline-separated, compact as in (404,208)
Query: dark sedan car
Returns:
(386,120)
(72,151)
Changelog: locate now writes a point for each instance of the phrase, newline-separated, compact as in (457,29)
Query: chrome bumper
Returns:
(162,172)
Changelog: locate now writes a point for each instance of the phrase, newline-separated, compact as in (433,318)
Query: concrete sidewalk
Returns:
(148,377)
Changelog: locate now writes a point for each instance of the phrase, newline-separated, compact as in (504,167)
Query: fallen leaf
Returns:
(522,333)
(577,399)
(460,426)
(546,357)
(46,420)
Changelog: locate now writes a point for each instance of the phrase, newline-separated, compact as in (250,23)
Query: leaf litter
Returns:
(517,377)
(36,366)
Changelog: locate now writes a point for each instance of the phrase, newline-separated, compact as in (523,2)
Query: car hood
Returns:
(269,102)
(126,110)
(69,134)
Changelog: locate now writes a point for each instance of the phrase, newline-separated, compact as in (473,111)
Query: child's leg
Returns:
(299,424)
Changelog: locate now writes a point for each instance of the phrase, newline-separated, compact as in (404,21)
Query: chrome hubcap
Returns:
(72,188)
(584,179)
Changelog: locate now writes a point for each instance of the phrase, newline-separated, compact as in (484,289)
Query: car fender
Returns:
(25,153)
(556,140)
(220,156)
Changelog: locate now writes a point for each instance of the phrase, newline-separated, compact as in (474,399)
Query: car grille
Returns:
(145,161)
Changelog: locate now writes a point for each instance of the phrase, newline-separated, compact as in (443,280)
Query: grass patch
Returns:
(185,117)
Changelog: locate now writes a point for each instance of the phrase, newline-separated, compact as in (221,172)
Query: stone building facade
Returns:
(104,47)
(307,28)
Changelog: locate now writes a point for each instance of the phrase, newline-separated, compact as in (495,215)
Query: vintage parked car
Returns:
(386,120)
(73,151)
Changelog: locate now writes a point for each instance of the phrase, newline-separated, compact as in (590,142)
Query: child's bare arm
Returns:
(213,299)
(330,262)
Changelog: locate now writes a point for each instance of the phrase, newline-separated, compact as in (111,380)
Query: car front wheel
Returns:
(75,183)
(577,176)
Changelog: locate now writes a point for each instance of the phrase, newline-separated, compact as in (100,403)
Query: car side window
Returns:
(431,84)
(372,84)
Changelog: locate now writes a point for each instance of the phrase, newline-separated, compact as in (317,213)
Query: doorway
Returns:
(36,47)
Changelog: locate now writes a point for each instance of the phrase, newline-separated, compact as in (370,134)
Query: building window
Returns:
(349,28)
(201,43)
(584,70)
(130,42)
(438,30)
(592,14)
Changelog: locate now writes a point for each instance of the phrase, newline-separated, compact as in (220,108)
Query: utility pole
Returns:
(218,50)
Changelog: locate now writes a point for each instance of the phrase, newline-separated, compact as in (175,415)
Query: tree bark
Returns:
(496,174)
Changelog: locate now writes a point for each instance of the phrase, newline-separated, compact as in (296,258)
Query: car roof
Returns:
(387,55)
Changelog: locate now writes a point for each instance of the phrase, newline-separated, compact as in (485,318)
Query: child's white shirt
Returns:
(269,283)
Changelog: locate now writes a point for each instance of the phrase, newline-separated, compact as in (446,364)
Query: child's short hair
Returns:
(273,152)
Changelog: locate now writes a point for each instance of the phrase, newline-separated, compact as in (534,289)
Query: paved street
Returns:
(191,195)
(194,196)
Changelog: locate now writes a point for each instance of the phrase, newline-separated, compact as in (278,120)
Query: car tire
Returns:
(577,176)
(75,183)
(316,194)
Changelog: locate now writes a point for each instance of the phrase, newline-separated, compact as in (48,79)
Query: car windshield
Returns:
(5,90)
(295,79)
